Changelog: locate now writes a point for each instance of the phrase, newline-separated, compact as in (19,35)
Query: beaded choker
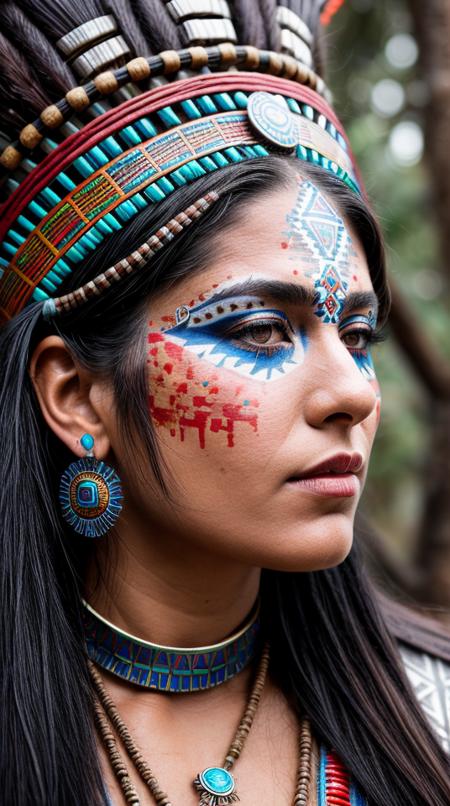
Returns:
(165,668)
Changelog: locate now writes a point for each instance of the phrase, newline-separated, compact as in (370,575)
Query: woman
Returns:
(192,282)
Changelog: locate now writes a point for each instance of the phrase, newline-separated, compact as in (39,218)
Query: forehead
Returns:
(289,235)
(286,231)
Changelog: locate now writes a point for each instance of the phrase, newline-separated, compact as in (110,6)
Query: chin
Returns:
(314,546)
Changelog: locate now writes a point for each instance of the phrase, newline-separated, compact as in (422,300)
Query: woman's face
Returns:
(262,390)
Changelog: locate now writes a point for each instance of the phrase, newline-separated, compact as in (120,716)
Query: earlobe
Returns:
(64,392)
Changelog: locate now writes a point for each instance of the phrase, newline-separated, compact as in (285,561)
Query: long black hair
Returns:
(334,656)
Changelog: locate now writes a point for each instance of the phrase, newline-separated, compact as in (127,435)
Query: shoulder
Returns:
(415,629)
(424,646)
(430,679)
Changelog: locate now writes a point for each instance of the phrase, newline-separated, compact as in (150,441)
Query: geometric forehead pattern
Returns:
(314,219)
(315,225)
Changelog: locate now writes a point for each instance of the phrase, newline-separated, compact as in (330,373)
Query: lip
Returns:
(334,477)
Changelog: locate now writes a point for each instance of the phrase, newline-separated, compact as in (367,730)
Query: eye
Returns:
(264,335)
(359,339)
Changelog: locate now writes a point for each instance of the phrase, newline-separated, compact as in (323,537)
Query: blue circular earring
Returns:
(90,493)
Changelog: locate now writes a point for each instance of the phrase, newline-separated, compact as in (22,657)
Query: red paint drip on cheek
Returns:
(178,415)
(284,244)
(234,413)
(161,415)
(186,406)
(198,421)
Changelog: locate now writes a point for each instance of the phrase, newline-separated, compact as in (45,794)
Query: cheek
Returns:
(378,408)
(189,396)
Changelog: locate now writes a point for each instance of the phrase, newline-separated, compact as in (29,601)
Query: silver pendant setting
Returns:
(216,786)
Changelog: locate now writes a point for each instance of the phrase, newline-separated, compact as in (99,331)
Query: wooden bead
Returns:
(251,57)
(10,158)
(302,74)
(171,59)
(30,137)
(227,53)
(52,117)
(138,69)
(106,82)
(77,98)
(275,64)
(199,57)
(289,66)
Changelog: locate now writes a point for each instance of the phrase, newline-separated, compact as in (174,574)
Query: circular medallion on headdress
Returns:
(273,120)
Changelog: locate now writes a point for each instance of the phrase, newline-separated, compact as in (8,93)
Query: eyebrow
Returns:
(291,294)
(361,299)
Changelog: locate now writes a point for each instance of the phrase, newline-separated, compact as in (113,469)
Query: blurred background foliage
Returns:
(382,96)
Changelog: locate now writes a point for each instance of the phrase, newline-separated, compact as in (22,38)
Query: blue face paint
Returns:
(234,333)
(359,332)
(321,240)
(368,320)
(364,362)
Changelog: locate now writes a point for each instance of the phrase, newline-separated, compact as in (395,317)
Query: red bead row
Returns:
(337,781)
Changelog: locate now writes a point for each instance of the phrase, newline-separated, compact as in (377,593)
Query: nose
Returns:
(338,392)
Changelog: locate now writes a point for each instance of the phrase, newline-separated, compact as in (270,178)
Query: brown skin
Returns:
(187,573)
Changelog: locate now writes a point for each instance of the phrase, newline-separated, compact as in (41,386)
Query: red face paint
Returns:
(234,414)
(196,402)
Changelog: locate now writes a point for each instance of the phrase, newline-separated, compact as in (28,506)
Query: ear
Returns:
(73,402)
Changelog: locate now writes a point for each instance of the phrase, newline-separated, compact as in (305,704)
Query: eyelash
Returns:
(267,349)
(239,334)
(371,336)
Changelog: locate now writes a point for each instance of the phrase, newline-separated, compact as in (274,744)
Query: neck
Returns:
(161,592)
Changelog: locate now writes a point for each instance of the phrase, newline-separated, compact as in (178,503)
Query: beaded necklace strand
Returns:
(108,719)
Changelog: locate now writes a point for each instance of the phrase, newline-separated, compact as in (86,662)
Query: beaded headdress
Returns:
(136,129)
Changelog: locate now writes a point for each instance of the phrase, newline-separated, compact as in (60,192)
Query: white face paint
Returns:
(241,333)
(319,236)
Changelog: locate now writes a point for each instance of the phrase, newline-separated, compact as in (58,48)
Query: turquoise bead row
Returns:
(133,135)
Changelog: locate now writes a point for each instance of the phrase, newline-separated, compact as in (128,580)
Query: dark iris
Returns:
(262,336)
(261,333)
(357,339)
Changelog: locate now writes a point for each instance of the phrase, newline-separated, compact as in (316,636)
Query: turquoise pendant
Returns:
(216,787)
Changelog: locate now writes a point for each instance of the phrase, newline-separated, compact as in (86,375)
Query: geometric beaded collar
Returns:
(166,668)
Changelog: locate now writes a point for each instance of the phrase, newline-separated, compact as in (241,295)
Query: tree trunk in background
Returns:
(433,553)
(432,28)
